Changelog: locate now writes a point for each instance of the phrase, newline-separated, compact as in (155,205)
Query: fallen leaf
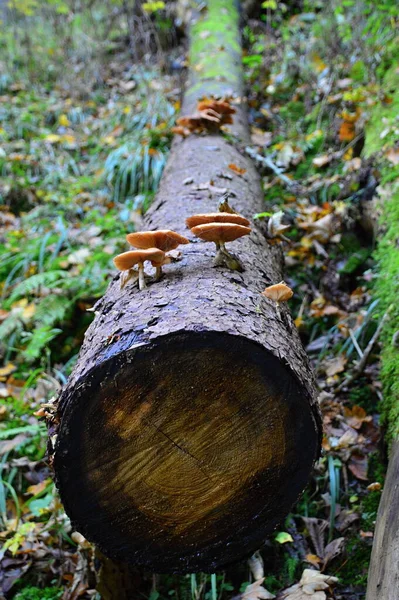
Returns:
(33,490)
(238,170)
(283,537)
(7,370)
(310,587)
(321,161)
(255,591)
(374,487)
(332,550)
(393,155)
(356,416)
(347,131)
(8,445)
(358,465)
(313,559)
(335,365)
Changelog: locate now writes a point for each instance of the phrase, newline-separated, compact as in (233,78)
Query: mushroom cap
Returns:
(164,239)
(219,217)
(223,107)
(127,260)
(280,292)
(164,261)
(220,232)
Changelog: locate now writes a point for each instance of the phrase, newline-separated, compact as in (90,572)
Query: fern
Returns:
(39,339)
(52,309)
(48,279)
(10,324)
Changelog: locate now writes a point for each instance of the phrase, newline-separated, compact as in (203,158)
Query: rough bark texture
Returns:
(189,425)
(383,580)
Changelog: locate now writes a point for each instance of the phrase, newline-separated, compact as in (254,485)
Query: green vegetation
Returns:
(381,136)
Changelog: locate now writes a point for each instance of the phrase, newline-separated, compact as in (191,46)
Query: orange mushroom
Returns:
(219,234)
(279,292)
(127,260)
(164,239)
(219,217)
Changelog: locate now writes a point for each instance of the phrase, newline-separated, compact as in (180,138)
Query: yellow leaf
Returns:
(29,311)
(63,120)
(318,64)
(7,370)
(39,487)
(53,138)
(68,139)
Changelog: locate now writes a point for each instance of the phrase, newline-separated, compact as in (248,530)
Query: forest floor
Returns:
(79,166)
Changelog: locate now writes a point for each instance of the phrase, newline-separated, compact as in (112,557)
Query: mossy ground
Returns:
(381,135)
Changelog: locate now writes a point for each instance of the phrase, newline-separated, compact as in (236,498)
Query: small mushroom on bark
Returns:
(127,260)
(158,264)
(219,234)
(164,239)
(219,217)
(280,292)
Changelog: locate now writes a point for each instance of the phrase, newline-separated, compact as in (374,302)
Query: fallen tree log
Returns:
(189,425)
(383,578)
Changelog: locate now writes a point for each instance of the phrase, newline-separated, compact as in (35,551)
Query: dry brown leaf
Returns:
(255,591)
(332,550)
(33,490)
(7,370)
(335,365)
(347,131)
(313,559)
(358,465)
(356,416)
(321,161)
(236,169)
(310,587)
(8,445)
(393,155)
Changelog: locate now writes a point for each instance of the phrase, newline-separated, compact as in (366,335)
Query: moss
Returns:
(293,110)
(386,284)
(384,116)
(355,261)
(35,593)
(386,289)
(364,396)
(354,571)
(215,51)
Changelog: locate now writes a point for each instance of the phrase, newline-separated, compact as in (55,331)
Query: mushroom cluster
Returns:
(151,246)
(220,228)
(210,115)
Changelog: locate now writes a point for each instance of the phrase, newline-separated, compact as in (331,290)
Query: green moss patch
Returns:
(380,136)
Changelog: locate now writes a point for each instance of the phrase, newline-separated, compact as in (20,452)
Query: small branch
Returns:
(267,161)
(359,368)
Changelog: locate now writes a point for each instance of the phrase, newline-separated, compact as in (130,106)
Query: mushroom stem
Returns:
(142,283)
(158,273)
(223,258)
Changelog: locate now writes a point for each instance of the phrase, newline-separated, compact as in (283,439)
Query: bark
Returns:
(189,426)
(383,579)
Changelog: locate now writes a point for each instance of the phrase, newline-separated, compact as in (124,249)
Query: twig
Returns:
(359,368)
(267,161)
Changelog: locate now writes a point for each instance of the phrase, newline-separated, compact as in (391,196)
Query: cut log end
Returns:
(181,455)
